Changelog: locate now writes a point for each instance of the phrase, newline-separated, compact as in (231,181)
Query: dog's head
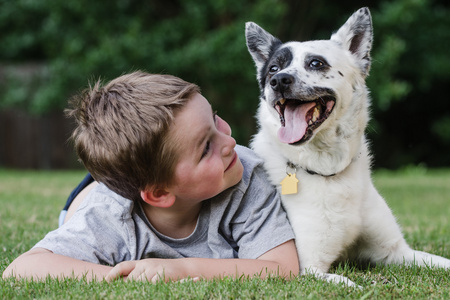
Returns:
(306,83)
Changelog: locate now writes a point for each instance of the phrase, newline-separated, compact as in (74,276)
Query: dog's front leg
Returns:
(319,267)
(336,279)
(317,250)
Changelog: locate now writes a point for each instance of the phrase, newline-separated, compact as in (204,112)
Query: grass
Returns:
(30,202)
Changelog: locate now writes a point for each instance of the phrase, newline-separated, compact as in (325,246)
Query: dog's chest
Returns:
(337,195)
(329,208)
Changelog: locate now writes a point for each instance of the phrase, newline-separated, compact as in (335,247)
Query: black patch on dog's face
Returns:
(316,63)
(280,59)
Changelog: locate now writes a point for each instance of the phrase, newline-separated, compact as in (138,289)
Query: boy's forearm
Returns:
(154,270)
(236,268)
(40,263)
(280,261)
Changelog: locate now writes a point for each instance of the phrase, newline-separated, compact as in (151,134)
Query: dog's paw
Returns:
(337,279)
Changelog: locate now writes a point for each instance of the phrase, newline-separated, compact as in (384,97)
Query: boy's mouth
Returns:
(233,161)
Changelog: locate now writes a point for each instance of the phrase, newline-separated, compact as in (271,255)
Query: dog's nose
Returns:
(281,82)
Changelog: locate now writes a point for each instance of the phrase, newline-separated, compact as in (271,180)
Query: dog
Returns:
(314,108)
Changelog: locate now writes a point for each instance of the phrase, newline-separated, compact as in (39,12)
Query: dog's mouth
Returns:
(299,118)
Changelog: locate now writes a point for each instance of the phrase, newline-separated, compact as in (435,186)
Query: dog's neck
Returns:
(326,160)
(315,173)
(292,166)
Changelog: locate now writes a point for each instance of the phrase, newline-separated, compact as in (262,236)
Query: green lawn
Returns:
(30,202)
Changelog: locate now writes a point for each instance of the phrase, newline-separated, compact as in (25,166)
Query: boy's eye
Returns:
(208,143)
(215,117)
(206,150)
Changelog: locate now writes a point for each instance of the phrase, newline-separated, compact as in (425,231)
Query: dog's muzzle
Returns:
(299,118)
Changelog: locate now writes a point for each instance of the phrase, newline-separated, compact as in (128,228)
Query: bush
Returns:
(71,42)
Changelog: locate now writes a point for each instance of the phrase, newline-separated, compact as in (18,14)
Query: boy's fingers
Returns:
(189,279)
(157,278)
(143,275)
(120,270)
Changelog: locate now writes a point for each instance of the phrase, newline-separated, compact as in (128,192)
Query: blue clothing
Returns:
(88,179)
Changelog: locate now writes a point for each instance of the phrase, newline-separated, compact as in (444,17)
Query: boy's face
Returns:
(208,163)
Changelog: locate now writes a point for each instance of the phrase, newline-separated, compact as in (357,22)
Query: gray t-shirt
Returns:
(244,221)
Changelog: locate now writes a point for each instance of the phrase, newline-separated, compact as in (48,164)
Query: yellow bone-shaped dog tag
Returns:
(289,184)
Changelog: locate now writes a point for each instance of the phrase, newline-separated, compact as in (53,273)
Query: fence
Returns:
(36,142)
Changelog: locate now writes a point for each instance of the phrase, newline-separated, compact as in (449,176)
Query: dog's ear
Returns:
(260,43)
(356,35)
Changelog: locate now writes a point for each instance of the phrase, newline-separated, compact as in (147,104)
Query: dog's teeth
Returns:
(316,114)
(282,101)
(310,122)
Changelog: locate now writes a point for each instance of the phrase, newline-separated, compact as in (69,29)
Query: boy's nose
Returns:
(226,129)
(228,146)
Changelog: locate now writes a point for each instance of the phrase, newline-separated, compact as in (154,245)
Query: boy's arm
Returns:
(38,263)
(279,261)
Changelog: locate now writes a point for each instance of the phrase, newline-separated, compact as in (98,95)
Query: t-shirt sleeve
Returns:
(261,223)
(98,232)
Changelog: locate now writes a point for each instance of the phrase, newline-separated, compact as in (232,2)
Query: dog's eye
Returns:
(316,64)
(273,69)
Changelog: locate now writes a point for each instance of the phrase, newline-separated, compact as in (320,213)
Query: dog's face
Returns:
(307,83)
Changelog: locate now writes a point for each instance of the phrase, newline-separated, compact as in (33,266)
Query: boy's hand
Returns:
(151,269)
(279,261)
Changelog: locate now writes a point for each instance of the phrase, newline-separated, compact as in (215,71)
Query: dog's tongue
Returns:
(295,122)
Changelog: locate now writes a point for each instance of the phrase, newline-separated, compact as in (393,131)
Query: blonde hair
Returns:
(121,131)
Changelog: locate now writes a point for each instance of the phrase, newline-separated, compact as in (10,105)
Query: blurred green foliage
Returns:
(409,79)
(81,40)
(75,41)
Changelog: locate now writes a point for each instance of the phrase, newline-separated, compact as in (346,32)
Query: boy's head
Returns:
(121,130)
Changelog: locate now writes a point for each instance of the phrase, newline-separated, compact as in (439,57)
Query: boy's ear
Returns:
(158,197)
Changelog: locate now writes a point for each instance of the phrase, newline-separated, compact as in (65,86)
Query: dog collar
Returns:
(291,165)
(289,185)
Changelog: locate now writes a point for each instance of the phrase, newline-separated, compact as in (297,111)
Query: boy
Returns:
(178,199)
